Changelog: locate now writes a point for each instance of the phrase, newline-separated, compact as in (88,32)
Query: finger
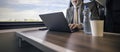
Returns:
(70,25)
(75,26)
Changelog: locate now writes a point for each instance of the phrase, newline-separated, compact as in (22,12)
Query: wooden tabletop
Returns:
(76,42)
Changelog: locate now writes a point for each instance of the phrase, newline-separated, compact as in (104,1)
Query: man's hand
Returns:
(74,26)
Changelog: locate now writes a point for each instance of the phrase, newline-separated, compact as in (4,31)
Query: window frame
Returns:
(14,25)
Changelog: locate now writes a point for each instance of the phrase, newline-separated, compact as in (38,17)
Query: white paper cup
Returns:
(97,27)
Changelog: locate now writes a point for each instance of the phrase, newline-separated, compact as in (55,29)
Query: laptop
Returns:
(55,22)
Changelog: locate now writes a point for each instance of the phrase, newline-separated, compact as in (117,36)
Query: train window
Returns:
(29,10)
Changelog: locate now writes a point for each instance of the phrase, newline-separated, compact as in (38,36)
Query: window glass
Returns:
(29,10)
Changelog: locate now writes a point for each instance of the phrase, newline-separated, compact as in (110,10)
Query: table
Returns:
(50,41)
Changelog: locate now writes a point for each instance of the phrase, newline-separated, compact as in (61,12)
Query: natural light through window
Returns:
(29,10)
